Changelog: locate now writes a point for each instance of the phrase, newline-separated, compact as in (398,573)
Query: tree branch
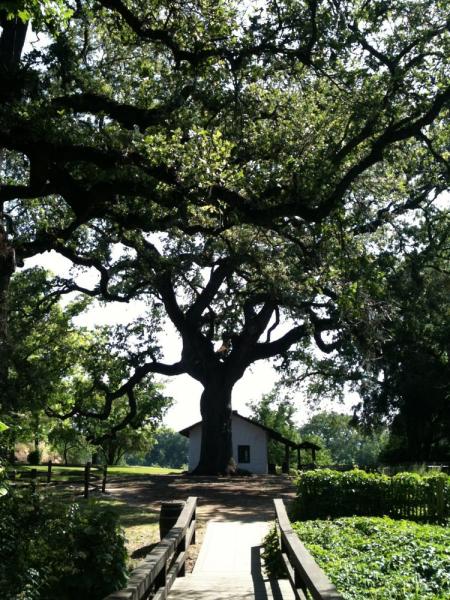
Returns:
(205,298)
(127,115)
(282,345)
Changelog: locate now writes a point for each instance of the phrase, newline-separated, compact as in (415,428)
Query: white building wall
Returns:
(243,433)
(247,434)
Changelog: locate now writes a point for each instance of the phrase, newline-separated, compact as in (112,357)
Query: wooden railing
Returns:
(155,575)
(306,577)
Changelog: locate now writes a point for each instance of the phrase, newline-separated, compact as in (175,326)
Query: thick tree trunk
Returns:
(12,38)
(111,455)
(7,265)
(216,453)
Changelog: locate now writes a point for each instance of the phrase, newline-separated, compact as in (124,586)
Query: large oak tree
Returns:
(233,150)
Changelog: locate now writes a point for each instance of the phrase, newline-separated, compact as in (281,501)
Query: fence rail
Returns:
(92,480)
(91,477)
(306,577)
(155,575)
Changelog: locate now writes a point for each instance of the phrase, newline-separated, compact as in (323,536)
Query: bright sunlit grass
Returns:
(122,470)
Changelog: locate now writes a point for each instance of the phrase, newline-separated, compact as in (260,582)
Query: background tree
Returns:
(139,433)
(44,358)
(410,382)
(277,412)
(395,353)
(70,444)
(345,441)
(283,132)
(170,449)
(57,366)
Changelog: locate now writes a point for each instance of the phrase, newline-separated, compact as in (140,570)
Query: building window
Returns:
(243,454)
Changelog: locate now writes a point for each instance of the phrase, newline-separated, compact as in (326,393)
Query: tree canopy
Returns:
(226,162)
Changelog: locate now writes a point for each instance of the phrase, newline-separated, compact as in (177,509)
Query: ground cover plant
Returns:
(376,557)
(326,493)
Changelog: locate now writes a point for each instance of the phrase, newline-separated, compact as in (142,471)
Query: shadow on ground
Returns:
(220,498)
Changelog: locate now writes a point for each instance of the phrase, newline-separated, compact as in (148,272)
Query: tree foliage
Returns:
(236,152)
(395,350)
(170,449)
(277,412)
(413,374)
(346,442)
(58,366)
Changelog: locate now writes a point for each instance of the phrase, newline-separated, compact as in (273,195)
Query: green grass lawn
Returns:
(140,524)
(128,471)
(62,473)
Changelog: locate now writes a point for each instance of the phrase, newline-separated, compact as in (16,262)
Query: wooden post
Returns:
(87,475)
(168,515)
(285,468)
(440,500)
(182,547)
(193,519)
(299,462)
(105,473)
(49,471)
(33,479)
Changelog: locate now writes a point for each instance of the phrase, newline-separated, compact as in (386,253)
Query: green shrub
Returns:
(377,558)
(34,457)
(326,493)
(50,550)
(271,555)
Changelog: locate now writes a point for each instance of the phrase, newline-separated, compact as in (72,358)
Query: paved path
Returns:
(228,566)
(219,499)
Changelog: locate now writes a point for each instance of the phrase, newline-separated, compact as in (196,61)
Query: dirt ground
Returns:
(219,498)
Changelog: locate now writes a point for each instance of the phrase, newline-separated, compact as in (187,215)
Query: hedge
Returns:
(328,494)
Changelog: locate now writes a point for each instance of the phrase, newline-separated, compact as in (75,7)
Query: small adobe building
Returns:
(250,440)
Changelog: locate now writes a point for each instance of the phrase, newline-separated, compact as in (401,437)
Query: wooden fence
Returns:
(95,480)
(155,575)
(93,477)
(306,577)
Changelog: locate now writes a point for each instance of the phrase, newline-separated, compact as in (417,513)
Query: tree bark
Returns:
(12,40)
(216,452)
(111,454)
(7,266)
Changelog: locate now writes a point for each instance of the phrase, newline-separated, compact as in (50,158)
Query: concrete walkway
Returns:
(228,566)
